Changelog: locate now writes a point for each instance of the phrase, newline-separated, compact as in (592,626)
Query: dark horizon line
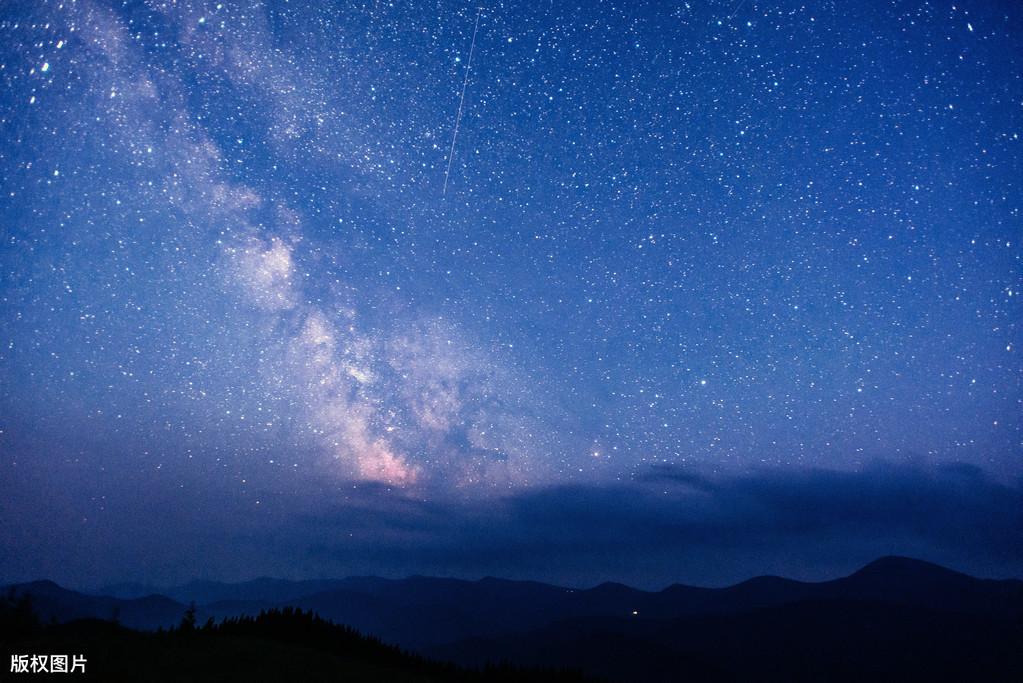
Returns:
(161,591)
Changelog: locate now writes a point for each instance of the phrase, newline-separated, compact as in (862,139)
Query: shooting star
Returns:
(736,10)
(461,101)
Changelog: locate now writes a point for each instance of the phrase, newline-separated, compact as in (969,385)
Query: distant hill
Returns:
(54,603)
(262,589)
(895,611)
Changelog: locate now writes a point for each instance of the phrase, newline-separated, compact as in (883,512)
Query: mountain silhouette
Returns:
(908,615)
(54,603)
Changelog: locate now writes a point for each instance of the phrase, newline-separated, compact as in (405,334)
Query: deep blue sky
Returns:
(716,288)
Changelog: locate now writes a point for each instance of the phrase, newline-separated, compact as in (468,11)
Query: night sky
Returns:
(698,291)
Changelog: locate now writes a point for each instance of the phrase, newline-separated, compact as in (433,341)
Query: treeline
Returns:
(18,619)
(306,629)
(260,647)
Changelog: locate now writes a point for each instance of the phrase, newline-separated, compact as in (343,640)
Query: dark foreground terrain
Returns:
(276,645)
(895,619)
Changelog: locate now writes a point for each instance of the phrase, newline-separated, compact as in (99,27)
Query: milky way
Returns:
(238,261)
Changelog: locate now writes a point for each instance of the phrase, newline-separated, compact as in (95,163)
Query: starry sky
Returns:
(645,291)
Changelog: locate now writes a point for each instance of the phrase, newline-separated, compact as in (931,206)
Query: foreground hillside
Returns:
(806,641)
(274,646)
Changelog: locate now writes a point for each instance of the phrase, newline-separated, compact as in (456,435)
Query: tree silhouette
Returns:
(187,624)
(17,616)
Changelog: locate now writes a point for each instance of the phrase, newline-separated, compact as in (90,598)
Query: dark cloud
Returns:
(671,524)
(677,525)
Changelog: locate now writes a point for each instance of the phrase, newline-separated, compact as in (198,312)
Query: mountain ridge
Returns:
(134,589)
(889,607)
(374,602)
